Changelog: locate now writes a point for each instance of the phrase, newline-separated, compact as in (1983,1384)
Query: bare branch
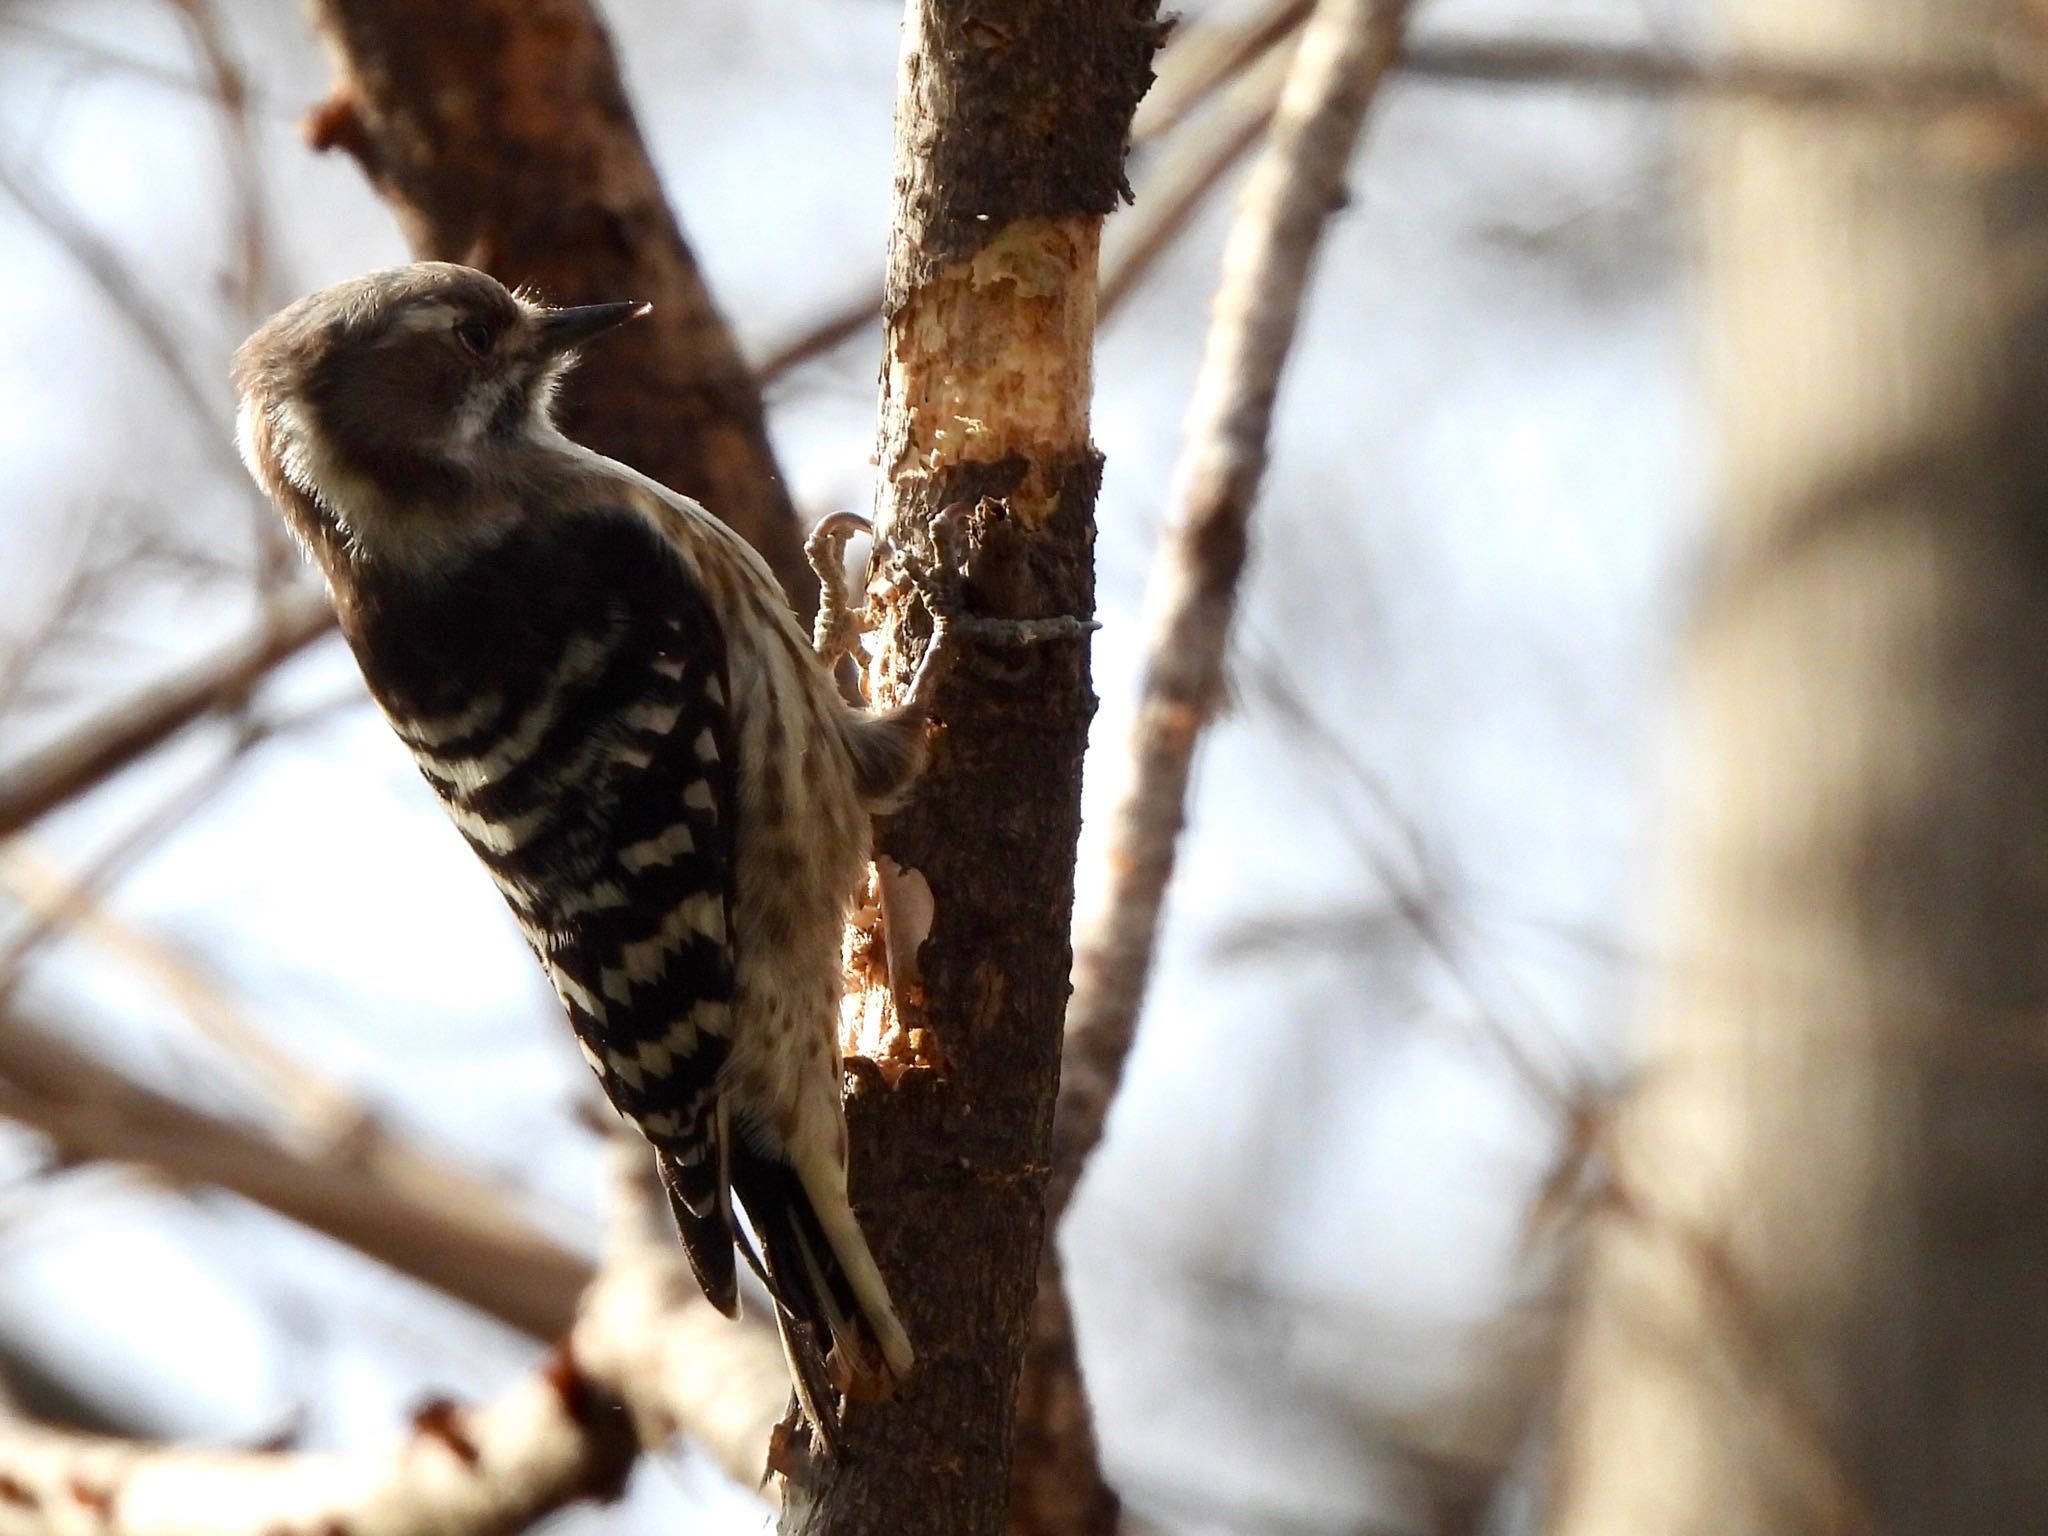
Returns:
(364,1187)
(312,1105)
(230,92)
(1177,187)
(1847,85)
(1345,52)
(1198,62)
(109,272)
(553,1439)
(1204,58)
(99,56)
(638,1365)
(134,843)
(141,723)
(1201,59)
(821,337)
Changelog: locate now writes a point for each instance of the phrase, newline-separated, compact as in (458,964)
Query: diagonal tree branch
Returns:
(635,1365)
(1848,85)
(310,1104)
(684,1366)
(366,1187)
(1345,51)
(143,722)
(1194,164)
(552,1440)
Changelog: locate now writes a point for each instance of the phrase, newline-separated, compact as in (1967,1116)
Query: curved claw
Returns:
(838,625)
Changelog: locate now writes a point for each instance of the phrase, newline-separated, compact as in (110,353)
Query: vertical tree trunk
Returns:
(1011,127)
(1820,1301)
(500,136)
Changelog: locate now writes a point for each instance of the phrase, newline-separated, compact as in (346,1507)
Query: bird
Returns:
(607,690)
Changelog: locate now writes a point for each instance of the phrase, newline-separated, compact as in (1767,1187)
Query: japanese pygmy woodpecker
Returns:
(605,687)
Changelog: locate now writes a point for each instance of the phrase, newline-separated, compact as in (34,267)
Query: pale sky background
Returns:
(1470,564)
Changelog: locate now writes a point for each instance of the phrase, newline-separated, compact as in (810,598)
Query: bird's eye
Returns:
(474,336)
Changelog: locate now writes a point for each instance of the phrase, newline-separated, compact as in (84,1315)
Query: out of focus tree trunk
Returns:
(1010,135)
(1820,1298)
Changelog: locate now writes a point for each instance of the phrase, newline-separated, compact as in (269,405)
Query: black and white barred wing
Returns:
(648,979)
(604,813)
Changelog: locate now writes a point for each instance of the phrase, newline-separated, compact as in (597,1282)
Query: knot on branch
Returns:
(338,123)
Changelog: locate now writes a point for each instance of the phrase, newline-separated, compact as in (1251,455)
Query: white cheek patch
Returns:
(479,404)
(369,523)
(245,438)
(311,466)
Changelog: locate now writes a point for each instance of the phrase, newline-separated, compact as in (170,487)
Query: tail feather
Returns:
(821,1274)
(707,1230)
(808,1380)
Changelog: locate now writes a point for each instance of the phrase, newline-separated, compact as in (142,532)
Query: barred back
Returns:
(565,694)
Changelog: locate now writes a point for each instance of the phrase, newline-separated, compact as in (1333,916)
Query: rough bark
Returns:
(1818,1302)
(500,136)
(1011,130)
(1056,1483)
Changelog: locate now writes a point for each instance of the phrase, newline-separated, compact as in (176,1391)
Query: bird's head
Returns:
(386,415)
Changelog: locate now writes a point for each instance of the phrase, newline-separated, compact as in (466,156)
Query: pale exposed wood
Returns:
(1818,1299)
(1011,135)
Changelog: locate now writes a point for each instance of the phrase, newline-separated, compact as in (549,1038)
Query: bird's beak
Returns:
(563,329)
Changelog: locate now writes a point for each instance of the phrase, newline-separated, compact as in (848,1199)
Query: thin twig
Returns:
(111,863)
(110,273)
(820,337)
(1200,59)
(252,298)
(1757,1351)
(1345,52)
(368,1188)
(230,92)
(1847,86)
(1175,190)
(85,757)
(313,1106)
(100,56)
